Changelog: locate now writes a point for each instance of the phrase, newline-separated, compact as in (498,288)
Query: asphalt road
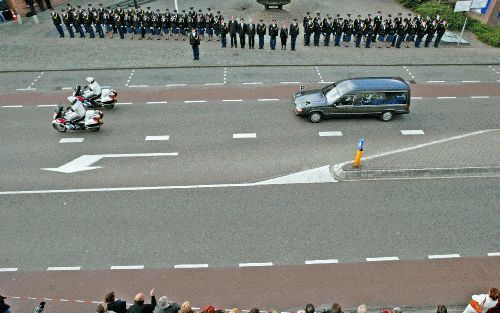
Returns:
(140,78)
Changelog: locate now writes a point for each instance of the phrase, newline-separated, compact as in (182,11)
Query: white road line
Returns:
(191,266)
(233,100)
(444,256)
(289,82)
(407,132)
(127,267)
(446,97)
(156,102)
(47,299)
(80,301)
(254,83)
(214,84)
(46,105)
(64,300)
(435,81)
(244,135)
(124,103)
(12,106)
(416,98)
(66,88)
(137,86)
(332,261)
(195,101)
(26,88)
(385,258)
(8,269)
(330,134)
(268,99)
(480,97)
(323,82)
(175,85)
(255,264)
(494,254)
(64,268)
(71,140)
(471,81)
(16,297)
(154,138)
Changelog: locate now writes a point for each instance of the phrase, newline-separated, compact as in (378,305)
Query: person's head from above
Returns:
(362,308)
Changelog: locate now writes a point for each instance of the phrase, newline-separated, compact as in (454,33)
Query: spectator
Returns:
(398,310)
(186,307)
(208,309)
(362,308)
(235,310)
(118,306)
(140,307)
(164,306)
(254,310)
(4,307)
(101,308)
(336,308)
(484,302)
(442,309)
(310,308)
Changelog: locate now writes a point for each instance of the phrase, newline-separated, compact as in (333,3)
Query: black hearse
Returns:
(379,96)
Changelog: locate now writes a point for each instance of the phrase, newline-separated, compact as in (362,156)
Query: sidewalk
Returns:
(38,48)
(472,154)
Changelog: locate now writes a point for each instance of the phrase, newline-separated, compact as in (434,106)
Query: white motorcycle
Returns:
(107,99)
(91,121)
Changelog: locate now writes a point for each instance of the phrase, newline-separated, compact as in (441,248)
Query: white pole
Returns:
(19,19)
(462,33)
(176,6)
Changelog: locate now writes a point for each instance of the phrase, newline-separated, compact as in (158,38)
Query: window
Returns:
(332,95)
(373,98)
(345,100)
(396,97)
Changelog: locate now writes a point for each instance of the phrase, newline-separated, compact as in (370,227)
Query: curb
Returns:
(73,69)
(340,173)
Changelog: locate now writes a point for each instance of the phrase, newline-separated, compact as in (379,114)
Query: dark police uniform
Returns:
(308,30)
(294,32)
(318,26)
(347,29)
(283,37)
(251,35)
(327,31)
(194,41)
(430,31)
(56,19)
(261,32)
(440,30)
(224,30)
(273,33)
(233,30)
(368,32)
(68,22)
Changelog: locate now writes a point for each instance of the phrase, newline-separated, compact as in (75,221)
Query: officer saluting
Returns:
(261,32)
(294,32)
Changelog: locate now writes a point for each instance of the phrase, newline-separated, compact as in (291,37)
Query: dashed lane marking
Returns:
(254,83)
(330,134)
(64,268)
(191,266)
(214,84)
(195,101)
(446,97)
(435,81)
(289,83)
(444,256)
(121,103)
(471,81)
(331,261)
(66,88)
(127,267)
(225,75)
(156,102)
(409,73)
(494,254)
(244,135)
(19,89)
(157,138)
(416,98)
(256,264)
(319,74)
(408,132)
(268,99)
(385,258)
(71,140)
(46,105)
(175,85)
(232,100)
(8,269)
(137,86)
(480,97)
(12,106)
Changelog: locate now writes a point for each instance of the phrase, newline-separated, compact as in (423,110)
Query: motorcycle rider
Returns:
(92,90)
(76,111)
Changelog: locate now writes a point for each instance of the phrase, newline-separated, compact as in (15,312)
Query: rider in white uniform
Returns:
(93,90)
(77,109)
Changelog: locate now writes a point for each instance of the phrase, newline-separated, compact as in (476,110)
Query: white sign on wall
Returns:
(479,4)
(463,6)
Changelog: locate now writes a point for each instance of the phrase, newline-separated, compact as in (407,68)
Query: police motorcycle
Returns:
(96,96)
(76,117)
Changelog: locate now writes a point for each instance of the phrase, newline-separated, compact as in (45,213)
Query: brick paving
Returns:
(37,47)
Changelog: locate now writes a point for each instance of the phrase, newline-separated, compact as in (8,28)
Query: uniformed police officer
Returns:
(68,22)
(347,29)
(98,23)
(261,32)
(327,30)
(273,33)
(430,31)
(440,30)
(338,29)
(209,23)
(194,41)
(308,30)
(224,30)
(368,32)
(78,20)
(56,19)
(318,26)
(294,32)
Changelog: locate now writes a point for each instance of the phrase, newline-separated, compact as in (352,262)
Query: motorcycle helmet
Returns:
(72,99)
(90,79)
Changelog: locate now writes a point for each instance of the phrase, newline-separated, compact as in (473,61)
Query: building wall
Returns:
(20,6)
(491,16)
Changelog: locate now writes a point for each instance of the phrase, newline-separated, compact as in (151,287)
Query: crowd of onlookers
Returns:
(482,303)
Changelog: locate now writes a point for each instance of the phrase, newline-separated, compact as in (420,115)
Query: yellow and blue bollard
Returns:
(359,154)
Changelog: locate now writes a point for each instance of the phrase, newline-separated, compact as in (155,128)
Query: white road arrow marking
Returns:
(83,162)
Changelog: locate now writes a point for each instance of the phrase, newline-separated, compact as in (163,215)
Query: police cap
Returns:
(338,15)
(199,10)
(293,19)
(183,11)
(149,8)
(308,13)
(90,4)
(348,14)
(317,14)
(262,20)
(191,8)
